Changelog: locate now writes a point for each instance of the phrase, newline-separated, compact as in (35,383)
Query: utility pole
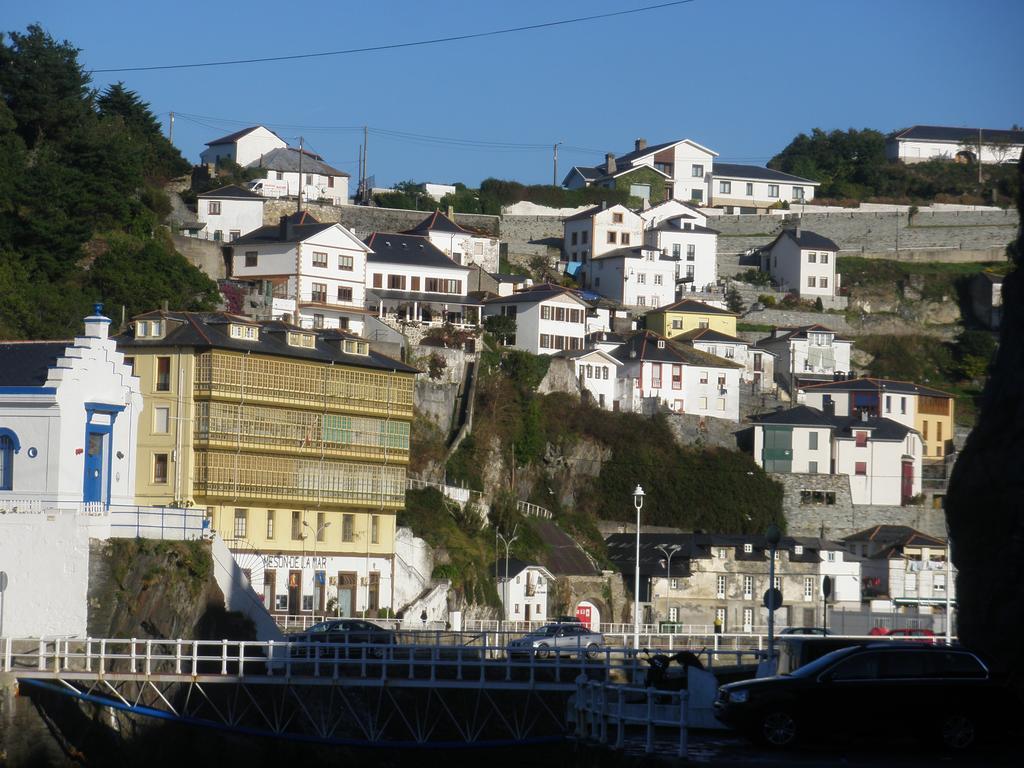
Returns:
(366,137)
(298,209)
(979,157)
(508,543)
(554,173)
(170,138)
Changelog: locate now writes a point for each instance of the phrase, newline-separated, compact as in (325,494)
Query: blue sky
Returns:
(740,76)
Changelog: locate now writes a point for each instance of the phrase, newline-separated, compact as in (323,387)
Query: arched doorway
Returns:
(965,156)
(588,613)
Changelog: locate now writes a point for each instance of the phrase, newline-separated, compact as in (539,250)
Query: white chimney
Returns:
(97,326)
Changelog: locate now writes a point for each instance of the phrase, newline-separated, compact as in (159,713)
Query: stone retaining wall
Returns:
(364,220)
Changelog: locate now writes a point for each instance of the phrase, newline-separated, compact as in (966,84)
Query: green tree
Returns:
(160,158)
(501,327)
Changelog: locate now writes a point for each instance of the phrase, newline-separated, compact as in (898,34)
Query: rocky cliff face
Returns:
(985,504)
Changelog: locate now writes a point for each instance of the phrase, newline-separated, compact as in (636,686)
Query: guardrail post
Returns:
(149,657)
(195,658)
(7,654)
(56,656)
(42,655)
(649,744)
(132,655)
(620,733)
(241,659)
(684,701)
(103,656)
(177,656)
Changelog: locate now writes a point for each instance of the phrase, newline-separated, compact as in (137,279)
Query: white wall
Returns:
(468,249)
(882,483)
(656,214)
(756,193)
(513,594)
(703,262)
(236,215)
(901,407)
(314,186)
(599,376)
(46,558)
(792,267)
(246,149)
(911,151)
(698,392)
(845,574)
(414,564)
(803,454)
(684,182)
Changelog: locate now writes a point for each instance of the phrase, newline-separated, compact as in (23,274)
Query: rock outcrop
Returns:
(985,504)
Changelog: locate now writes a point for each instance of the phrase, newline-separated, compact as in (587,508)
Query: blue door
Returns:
(97,462)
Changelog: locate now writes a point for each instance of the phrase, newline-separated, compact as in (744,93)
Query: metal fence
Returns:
(601,709)
(165,523)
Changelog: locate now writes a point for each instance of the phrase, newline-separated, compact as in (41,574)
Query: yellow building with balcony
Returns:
(690,315)
(294,440)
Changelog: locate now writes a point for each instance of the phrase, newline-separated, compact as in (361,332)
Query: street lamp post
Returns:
(508,543)
(672,549)
(774,535)
(638,502)
(316,536)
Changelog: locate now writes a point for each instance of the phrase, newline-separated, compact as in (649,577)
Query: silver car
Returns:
(570,639)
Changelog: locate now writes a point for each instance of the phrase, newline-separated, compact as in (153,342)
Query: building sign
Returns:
(294,562)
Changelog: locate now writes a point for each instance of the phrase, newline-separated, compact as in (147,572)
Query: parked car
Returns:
(796,650)
(569,638)
(353,635)
(879,689)
(901,632)
(819,631)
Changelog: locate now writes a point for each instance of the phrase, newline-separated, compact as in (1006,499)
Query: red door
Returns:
(907,489)
(583,614)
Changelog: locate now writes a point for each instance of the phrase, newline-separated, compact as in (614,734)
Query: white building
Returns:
(811,354)
(316,273)
(921,143)
(549,318)
(685,164)
(598,230)
(524,594)
(754,189)
(805,263)
(597,372)
(639,276)
(758,364)
(881,457)
(409,279)
(242,147)
(69,413)
(670,209)
(692,247)
(458,243)
(657,373)
(229,212)
(437,191)
(843,568)
(304,172)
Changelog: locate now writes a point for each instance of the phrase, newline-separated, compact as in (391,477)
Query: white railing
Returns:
(601,709)
(165,523)
(533,510)
(453,492)
(100,658)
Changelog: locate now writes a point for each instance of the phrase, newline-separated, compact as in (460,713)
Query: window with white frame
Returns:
(773,190)
(798,549)
(241,523)
(823,282)
(691,252)
(748,548)
(750,189)
(720,587)
(673,584)
(722,553)
(319,258)
(777,583)
(748,587)
(808,588)
(345,262)
(657,280)
(830,557)
(673,615)
(823,258)
(677,250)
(811,281)
(748,619)
(697,171)
(812,257)
(213,207)
(725,187)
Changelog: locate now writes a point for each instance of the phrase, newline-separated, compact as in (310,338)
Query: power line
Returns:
(393,46)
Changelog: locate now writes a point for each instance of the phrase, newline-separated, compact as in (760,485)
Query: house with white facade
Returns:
(805,263)
(921,143)
(683,169)
(229,212)
(524,592)
(758,364)
(597,372)
(881,457)
(844,569)
(739,188)
(601,229)
(670,209)
(316,273)
(549,318)
(658,373)
(409,280)
(811,354)
(458,243)
(904,571)
(693,248)
(639,277)
(305,172)
(69,413)
(243,147)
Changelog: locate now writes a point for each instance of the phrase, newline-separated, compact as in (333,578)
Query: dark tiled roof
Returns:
(627,252)
(233,137)
(417,250)
(696,546)
(503,277)
(801,333)
(233,190)
(302,226)
(666,226)
(868,384)
(287,159)
(587,172)
(455,300)
(209,330)
(437,222)
(644,347)
(736,171)
(541,292)
(515,567)
(586,214)
(707,334)
(843,426)
(564,556)
(800,416)
(965,135)
(694,307)
(887,535)
(27,363)
(806,239)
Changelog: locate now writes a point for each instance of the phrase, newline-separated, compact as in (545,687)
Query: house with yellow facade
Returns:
(690,315)
(929,411)
(294,440)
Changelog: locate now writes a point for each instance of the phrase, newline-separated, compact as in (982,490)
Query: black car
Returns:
(355,636)
(880,689)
